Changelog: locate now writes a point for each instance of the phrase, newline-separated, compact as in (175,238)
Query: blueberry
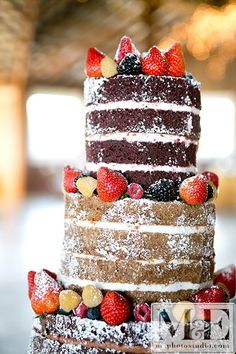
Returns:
(93,313)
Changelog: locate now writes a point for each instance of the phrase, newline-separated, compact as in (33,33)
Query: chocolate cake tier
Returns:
(166,248)
(143,126)
(72,335)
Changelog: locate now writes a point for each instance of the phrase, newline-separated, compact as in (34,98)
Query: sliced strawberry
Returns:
(175,59)
(154,62)
(110,184)
(69,176)
(211,176)
(125,46)
(115,308)
(30,276)
(93,63)
(227,276)
(193,190)
(45,295)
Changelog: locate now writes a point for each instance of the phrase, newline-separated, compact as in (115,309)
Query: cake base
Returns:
(69,334)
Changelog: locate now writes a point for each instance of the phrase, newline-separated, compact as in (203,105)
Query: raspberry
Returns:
(81,310)
(211,176)
(68,300)
(135,191)
(130,65)
(69,176)
(92,296)
(163,190)
(142,312)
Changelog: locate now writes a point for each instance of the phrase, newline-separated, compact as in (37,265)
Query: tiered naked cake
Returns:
(132,232)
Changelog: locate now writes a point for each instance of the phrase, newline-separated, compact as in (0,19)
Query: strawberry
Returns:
(52,274)
(125,46)
(45,295)
(110,184)
(227,276)
(93,63)
(211,176)
(69,176)
(193,190)
(115,308)
(208,295)
(154,62)
(31,275)
(175,59)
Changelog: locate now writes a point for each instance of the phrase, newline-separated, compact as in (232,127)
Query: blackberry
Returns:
(93,313)
(163,190)
(130,65)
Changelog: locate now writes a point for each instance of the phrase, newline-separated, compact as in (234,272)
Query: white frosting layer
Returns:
(143,262)
(163,229)
(141,137)
(91,166)
(161,106)
(67,281)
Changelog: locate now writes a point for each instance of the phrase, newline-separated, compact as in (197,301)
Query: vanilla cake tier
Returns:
(149,250)
(145,126)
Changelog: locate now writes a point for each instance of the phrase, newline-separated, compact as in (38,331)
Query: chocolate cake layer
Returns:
(143,88)
(143,121)
(141,153)
(70,334)
(153,243)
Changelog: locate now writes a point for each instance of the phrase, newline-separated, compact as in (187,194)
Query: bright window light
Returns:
(217,126)
(55,128)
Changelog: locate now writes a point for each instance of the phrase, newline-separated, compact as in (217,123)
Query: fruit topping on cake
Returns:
(213,294)
(81,310)
(110,184)
(92,296)
(227,276)
(93,313)
(93,63)
(125,46)
(108,67)
(45,295)
(154,62)
(193,190)
(175,60)
(135,191)
(69,177)
(86,185)
(211,191)
(130,65)
(115,308)
(211,176)
(162,190)
(142,313)
(69,300)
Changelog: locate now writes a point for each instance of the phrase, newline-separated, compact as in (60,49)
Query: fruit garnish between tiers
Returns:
(129,61)
(48,296)
(111,185)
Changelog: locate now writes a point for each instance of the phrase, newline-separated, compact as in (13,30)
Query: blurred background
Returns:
(43,44)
